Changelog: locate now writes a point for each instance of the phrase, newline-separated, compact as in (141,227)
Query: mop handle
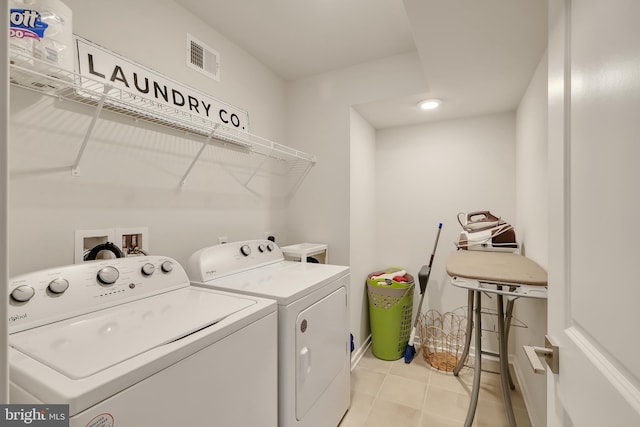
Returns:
(415,322)
(433,253)
(428,273)
(435,245)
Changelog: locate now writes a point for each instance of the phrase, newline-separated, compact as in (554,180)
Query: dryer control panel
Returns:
(55,294)
(222,260)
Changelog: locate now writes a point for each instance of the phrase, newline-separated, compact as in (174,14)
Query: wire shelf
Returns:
(35,75)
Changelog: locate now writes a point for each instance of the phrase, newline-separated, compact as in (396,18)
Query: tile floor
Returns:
(389,394)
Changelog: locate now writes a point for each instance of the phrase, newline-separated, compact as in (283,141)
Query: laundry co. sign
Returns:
(133,85)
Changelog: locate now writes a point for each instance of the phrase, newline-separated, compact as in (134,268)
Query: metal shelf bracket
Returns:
(75,171)
(195,159)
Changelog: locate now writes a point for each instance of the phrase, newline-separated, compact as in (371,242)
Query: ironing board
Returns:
(505,275)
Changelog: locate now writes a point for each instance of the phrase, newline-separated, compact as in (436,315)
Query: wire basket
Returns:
(442,338)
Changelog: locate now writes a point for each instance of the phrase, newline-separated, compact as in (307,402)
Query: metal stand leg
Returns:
(467,342)
(471,412)
(504,365)
(509,315)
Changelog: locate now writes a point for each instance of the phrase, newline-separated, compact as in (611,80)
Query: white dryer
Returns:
(128,342)
(313,323)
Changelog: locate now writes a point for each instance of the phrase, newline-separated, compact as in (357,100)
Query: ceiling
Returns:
(478,56)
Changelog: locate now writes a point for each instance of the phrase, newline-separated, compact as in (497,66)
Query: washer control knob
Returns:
(108,275)
(23,293)
(262,248)
(245,250)
(148,269)
(270,246)
(58,286)
(166,267)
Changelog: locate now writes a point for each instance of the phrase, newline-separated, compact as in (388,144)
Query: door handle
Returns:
(305,363)
(550,352)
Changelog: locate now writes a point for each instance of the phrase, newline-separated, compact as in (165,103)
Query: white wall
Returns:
(532,227)
(362,224)
(154,33)
(531,168)
(130,172)
(319,121)
(428,173)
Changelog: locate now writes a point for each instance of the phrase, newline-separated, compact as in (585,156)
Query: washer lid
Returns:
(84,345)
(284,281)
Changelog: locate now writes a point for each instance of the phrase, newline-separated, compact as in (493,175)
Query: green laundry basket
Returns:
(390,309)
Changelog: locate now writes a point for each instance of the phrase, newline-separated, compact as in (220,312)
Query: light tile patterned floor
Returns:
(387,394)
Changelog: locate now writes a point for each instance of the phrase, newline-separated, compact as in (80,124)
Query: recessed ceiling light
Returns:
(429,104)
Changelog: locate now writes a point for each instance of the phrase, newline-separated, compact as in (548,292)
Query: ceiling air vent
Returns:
(203,58)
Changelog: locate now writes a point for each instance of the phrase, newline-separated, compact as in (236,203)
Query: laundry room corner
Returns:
(438,176)
(320,211)
(362,210)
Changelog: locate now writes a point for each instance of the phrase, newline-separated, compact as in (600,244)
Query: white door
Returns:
(594,166)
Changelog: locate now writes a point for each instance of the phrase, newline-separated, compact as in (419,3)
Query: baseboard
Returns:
(525,396)
(360,351)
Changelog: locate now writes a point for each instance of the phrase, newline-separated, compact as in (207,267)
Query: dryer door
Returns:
(322,337)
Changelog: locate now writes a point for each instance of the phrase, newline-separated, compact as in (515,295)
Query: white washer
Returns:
(313,329)
(128,342)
